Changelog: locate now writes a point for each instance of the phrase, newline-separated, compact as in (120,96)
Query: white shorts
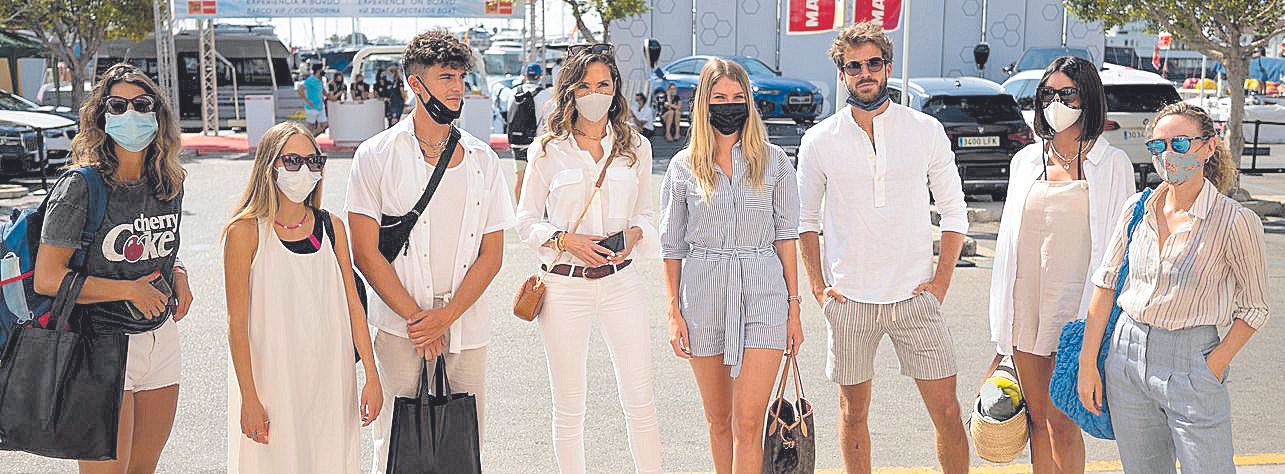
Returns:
(315,116)
(154,359)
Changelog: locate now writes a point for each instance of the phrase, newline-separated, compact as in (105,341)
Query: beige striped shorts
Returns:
(916,327)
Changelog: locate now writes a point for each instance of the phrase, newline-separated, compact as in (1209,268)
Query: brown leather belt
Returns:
(592,273)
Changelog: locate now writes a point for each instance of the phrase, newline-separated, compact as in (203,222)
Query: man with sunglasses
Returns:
(864,176)
(429,292)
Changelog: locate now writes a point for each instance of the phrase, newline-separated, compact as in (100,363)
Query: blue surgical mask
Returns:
(131,130)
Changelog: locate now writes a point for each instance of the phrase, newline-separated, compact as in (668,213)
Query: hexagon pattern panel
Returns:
(943,34)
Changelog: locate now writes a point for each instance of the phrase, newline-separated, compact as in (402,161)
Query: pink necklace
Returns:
(292,227)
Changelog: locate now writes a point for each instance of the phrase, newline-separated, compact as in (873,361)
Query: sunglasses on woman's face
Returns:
(874,65)
(1179,144)
(605,49)
(142,104)
(1066,95)
(293,162)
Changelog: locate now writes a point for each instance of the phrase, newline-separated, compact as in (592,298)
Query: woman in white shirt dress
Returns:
(588,283)
(1065,194)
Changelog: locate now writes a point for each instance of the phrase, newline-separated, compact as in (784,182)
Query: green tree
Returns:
(75,29)
(607,11)
(1227,31)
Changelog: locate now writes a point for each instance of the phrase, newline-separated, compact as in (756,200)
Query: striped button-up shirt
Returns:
(1211,270)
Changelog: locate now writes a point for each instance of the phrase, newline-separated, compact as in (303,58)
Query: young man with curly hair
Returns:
(428,291)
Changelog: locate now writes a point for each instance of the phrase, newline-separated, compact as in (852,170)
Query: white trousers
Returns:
(615,303)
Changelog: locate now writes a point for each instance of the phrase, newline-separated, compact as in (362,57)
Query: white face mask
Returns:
(594,107)
(296,185)
(1060,116)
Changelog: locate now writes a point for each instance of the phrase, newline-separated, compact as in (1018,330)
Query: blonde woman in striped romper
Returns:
(1196,265)
(728,232)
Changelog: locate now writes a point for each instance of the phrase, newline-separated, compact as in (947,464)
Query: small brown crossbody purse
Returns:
(530,297)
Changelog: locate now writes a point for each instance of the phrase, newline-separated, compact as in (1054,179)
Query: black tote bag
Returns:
(60,389)
(435,433)
(789,446)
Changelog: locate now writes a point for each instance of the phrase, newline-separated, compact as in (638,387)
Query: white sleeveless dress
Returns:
(301,351)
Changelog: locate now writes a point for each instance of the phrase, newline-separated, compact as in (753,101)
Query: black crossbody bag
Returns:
(394,231)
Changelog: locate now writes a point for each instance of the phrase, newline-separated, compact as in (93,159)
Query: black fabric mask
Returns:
(728,118)
(437,110)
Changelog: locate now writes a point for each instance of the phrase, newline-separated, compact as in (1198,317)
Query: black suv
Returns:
(17,150)
(983,122)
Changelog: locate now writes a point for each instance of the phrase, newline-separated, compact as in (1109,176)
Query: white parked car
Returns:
(58,131)
(1133,98)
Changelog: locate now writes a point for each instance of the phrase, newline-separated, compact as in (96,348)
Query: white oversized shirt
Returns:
(1109,174)
(560,178)
(873,205)
(387,178)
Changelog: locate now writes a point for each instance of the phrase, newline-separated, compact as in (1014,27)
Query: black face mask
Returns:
(437,110)
(728,118)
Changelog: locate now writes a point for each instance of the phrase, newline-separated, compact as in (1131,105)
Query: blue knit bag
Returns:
(1066,368)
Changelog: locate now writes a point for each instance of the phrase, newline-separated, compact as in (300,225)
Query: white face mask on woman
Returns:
(297,185)
(1060,116)
(594,107)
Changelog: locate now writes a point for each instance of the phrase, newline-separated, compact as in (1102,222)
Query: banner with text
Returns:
(208,9)
(814,16)
(886,12)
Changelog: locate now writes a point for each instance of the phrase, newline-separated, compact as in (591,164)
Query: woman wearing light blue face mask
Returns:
(135,285)
(1195,266)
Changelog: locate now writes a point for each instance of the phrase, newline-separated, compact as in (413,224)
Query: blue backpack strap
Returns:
(1139,209)
(96,212)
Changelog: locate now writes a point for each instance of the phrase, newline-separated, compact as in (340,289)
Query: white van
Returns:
(1133,98)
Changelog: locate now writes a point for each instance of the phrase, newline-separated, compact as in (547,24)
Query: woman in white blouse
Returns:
(589,283)
(1196,268)
(1065,193)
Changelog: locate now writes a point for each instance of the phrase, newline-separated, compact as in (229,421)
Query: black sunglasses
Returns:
(117,105)
(293,162)
(1065,94)
(874,65)
(605,49)
(1180,144)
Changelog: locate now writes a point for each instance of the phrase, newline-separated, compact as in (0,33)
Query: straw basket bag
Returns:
(1000,441)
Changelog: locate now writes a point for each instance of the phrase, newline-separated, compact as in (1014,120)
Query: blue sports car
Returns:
(776,96)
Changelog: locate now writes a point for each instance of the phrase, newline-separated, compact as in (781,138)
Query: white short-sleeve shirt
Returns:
(388,176)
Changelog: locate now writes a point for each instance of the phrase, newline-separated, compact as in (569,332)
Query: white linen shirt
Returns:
(388,176)
(873,205)
(561,176)
(1110,178)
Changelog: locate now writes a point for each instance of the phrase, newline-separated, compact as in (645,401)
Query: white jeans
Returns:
(399,377)
(571,306)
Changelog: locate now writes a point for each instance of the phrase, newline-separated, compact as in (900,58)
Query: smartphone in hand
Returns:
(162,286)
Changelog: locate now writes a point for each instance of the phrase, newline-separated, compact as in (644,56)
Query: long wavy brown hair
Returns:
(94,148)
(564,116)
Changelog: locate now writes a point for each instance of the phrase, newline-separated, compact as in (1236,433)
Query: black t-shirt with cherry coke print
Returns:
(139,236)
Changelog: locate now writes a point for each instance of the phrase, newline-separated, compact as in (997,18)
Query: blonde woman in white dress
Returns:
(294,320)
